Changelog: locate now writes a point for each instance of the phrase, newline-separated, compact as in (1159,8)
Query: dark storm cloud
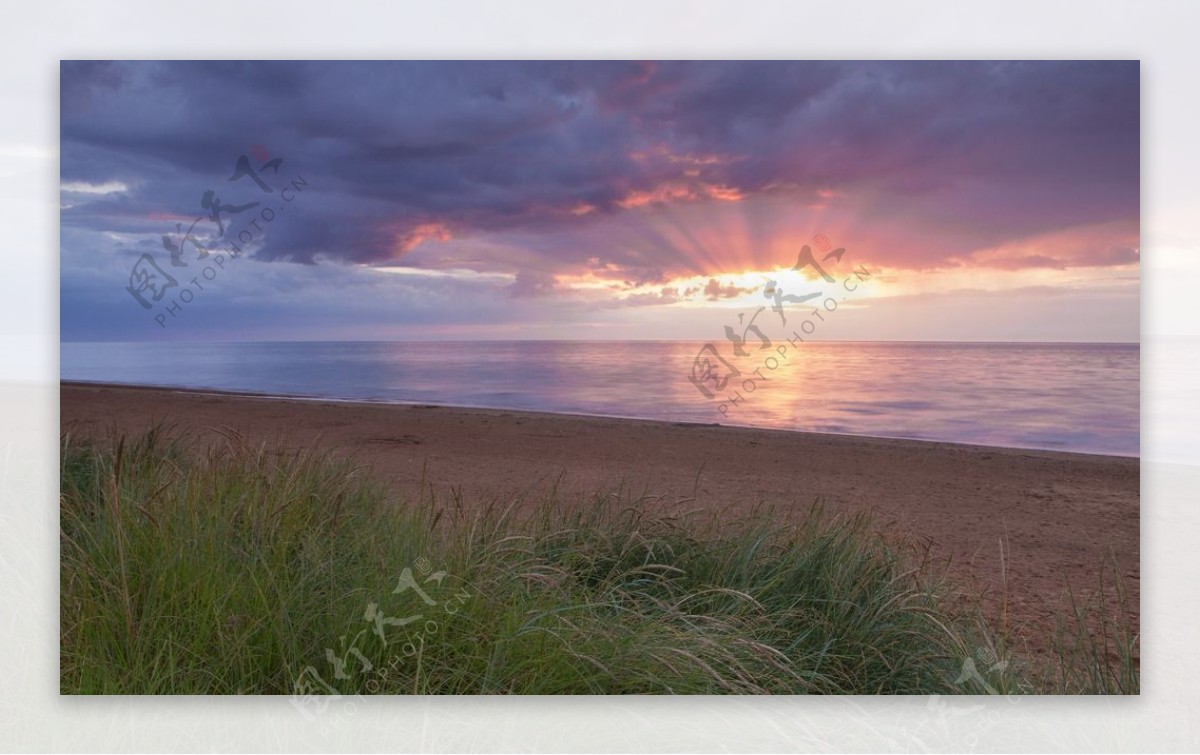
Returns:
(401,152)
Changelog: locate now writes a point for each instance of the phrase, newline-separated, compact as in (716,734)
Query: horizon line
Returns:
(599,340)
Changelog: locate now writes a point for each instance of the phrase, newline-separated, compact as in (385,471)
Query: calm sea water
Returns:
(1075,397)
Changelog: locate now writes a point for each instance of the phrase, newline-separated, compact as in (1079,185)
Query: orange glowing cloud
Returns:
(419,234)
(663,153)
(680,191)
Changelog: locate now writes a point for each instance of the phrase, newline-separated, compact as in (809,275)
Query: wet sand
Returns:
(1056,515)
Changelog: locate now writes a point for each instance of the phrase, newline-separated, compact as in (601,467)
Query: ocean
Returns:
(1066,397)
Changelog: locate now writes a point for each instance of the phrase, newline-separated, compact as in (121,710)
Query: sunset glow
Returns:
(611,200)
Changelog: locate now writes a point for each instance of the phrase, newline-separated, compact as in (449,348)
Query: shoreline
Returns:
(1017,525)
(306,398)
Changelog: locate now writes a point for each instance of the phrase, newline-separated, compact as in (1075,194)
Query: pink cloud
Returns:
(1105,244)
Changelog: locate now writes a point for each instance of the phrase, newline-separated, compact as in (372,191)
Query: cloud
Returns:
(530,284)
(715,291)
(398,148)
(1101,245)
(634,173)
(82,187)
(665,295)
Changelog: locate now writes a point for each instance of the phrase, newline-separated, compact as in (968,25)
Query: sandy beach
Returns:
(1021,522)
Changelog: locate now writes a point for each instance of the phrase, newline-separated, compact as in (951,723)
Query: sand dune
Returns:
(1054,514)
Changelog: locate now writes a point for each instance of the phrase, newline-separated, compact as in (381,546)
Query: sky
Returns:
(444,200)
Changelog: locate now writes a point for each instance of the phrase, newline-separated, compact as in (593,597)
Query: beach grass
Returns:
(228,568)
